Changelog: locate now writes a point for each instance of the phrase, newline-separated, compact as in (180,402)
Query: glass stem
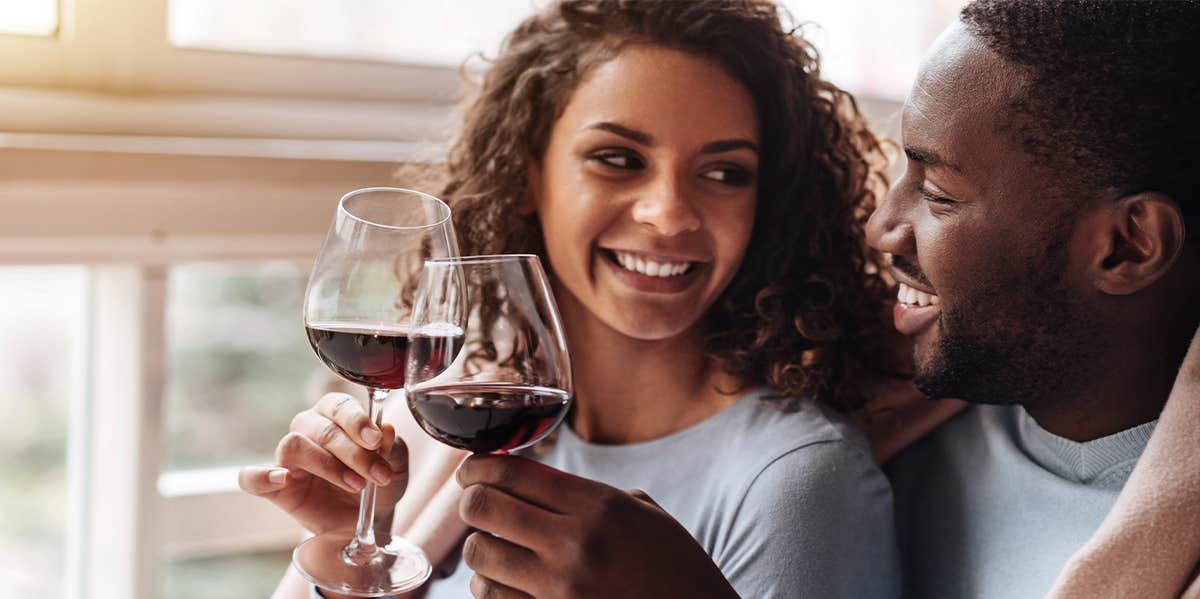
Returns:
(364,533)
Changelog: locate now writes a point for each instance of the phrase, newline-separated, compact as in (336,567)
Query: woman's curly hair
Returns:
(804,313)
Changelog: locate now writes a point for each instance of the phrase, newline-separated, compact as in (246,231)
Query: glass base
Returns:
(393,566)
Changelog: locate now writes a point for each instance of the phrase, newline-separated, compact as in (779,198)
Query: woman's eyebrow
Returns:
(713,147)
(725,145)
(638,136)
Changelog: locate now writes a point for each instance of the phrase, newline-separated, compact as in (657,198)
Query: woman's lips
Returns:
(648,283)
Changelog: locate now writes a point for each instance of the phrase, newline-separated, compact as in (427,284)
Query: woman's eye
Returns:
(619,160)
(736,177)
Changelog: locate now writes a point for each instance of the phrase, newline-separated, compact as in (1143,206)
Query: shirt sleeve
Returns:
(816,522)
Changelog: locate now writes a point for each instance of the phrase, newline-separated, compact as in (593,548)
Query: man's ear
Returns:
(1137,241)
(533,191)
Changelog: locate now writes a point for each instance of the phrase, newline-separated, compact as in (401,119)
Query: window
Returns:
(29,17)
(238,362)
(43,316)
(428,33)
(873,48)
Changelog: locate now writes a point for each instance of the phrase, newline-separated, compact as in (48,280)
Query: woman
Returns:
(697,192)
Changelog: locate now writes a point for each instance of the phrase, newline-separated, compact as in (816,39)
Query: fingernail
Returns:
(382,474)
(277,476)
(355,481)
(371,435)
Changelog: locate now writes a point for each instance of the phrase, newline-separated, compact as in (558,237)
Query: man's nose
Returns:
(664,206)
(888,229)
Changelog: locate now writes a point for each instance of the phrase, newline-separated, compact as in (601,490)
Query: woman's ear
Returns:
(1137,241)
(533,191)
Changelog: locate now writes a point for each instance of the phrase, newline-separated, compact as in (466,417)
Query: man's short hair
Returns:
(1113,100)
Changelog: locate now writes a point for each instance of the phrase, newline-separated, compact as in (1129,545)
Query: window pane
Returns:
(871,47)
(254,575)
(404,31)
(42,315)
(29,17)
(238,362)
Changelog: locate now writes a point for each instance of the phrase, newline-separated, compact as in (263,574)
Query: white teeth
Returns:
(911,297)
(650,267)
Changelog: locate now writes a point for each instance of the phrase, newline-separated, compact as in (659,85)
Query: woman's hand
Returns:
(325,461)
(551,535)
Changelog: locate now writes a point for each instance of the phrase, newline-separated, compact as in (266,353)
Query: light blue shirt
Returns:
(991,506)
(788,504)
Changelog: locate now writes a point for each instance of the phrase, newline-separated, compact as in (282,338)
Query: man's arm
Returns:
(1149,545)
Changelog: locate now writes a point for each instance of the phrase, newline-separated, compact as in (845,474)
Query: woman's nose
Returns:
(665,207)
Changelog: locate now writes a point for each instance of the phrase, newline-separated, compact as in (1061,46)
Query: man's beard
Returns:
(1015,341)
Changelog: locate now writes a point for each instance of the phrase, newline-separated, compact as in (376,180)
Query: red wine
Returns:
(376,355)
(489,417)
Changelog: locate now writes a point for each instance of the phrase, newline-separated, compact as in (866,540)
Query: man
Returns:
(1045,233)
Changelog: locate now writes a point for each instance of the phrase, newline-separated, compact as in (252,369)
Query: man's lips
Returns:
(917,305)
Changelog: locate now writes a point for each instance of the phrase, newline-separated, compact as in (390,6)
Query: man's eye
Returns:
(619,160)
(736,177)
(934,198)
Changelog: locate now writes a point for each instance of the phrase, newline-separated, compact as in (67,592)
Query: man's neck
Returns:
(1123,389)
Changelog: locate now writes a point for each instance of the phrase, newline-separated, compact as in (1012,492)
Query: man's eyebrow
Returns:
(928,158)
(726,145)
(635,135)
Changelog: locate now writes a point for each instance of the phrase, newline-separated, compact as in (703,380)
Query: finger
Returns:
(645,497)
(482,588)
(298,452)
(262,481)
(491,509)
(393,450)
(351,417)
(501,561)
(536,483)
(367,463)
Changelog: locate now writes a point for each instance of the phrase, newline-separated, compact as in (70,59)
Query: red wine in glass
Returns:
(376,355)
(489,417)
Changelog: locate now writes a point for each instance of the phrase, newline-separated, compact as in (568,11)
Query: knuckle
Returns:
(573,587)
(610,504)
(328,433)
(505,474)
(471,551)
(475,502)
(289,446)
(343,409)
(482,588)
(298,420)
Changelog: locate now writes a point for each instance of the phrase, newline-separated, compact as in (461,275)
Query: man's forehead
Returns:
(961,91)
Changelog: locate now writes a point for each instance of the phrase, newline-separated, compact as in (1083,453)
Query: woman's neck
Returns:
(630,390)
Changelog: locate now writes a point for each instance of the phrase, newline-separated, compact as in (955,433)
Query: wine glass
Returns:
(505,384)
(357,312)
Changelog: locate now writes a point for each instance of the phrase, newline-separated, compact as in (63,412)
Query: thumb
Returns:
(267,481)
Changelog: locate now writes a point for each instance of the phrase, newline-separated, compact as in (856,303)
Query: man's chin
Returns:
(971,380)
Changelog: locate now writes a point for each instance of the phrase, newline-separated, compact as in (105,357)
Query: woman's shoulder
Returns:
(772,424)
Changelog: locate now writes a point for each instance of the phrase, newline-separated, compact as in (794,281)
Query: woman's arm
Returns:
(1149,544)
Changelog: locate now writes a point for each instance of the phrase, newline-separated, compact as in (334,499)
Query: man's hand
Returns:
(551,535)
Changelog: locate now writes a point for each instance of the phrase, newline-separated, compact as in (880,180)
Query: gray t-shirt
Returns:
(787,504)
(991,505)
